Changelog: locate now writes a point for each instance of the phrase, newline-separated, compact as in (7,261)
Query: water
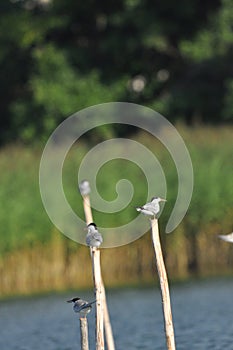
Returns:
(202,314)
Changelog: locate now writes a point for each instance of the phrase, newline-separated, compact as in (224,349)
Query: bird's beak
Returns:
(69,301)
(163,200)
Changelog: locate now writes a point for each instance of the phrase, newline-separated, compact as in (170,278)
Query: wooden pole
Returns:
(99,298)
(87,209)
(84,333)
(167,312)
(103,307)
(107,323)
(96,270)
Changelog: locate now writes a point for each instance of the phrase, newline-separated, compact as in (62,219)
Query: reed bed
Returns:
(34,256)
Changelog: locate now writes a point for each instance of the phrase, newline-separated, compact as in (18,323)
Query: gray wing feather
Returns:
(92,237)
(152,207)
(97,236)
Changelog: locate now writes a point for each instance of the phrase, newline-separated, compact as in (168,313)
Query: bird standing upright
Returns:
(152,208)
(81,306)
(93,238)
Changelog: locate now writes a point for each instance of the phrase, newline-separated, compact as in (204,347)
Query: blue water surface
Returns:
(202,315)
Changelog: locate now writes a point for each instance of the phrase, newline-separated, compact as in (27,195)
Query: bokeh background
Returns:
(60,56)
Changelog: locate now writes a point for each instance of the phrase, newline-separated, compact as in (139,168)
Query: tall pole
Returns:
(99,298)
(101,302)
(107,322)
(167,312)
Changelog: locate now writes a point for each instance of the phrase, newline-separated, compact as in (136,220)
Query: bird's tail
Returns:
(135,207)
(85,306)
(138,208)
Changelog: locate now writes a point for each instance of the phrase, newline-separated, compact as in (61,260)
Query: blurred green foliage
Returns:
(24,221)
(57,57)
(57,90)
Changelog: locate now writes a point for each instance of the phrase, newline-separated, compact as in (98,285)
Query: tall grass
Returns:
(192,248)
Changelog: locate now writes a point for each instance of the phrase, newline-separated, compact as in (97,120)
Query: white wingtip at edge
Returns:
(227,238)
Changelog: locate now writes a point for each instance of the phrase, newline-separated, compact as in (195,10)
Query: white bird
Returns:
(81,306)
(84,188)
(93,238)
(152,208)
(227,238)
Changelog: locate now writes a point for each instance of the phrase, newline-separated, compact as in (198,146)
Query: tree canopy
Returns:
(57,57)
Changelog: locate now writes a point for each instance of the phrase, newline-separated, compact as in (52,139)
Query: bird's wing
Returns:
(97,236)
(82,304)
(151,207)
(89,304)
(88,239)
(94,236)
(86,306)
(227,238)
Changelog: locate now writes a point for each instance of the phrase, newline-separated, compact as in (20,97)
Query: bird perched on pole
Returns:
(81,306)
(227,238)
(93,238)
(152,208)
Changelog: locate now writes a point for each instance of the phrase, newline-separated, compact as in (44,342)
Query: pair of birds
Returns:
(94,238)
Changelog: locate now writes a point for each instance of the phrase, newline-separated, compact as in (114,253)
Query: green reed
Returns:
(24,221)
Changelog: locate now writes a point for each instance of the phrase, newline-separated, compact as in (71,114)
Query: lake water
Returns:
(202,314)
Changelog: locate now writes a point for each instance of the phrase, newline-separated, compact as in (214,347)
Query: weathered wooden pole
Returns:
(107,323)
(167,312)
(84,333)
(102,314)
(99,298)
